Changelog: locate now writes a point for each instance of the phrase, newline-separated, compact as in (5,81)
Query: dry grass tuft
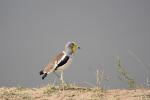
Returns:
(72,92)
(124,75)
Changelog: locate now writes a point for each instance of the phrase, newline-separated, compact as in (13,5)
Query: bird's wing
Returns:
(54,63)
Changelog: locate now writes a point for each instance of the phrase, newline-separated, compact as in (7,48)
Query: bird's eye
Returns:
(71,45)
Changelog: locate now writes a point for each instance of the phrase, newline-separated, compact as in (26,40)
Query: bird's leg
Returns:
(57,75)
(62,78)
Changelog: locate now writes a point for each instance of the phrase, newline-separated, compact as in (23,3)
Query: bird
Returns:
(61,61)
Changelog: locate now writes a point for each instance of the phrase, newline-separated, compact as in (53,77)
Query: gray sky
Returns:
(33,31)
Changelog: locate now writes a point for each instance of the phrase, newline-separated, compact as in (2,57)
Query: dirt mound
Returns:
(72,93)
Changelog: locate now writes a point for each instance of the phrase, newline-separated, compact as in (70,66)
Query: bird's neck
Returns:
(67,53)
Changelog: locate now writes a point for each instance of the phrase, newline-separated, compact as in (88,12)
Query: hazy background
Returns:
(33,31)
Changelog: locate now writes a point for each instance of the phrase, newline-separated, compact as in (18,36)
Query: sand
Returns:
(72,93)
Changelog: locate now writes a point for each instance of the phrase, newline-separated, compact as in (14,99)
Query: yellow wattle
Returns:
(74,49)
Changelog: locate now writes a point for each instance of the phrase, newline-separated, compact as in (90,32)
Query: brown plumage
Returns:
(61,61)
(52,65)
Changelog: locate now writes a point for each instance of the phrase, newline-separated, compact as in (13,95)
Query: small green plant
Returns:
(124,75)
(20,88)
(49,89)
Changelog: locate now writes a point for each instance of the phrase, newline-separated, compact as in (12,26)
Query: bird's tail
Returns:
(41,72)
(45,74)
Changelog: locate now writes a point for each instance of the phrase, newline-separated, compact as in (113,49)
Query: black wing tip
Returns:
(44,76)
(41,72)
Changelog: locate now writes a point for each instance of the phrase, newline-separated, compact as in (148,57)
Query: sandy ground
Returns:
(72,93)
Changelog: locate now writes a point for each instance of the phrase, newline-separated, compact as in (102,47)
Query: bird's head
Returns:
(71,47)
